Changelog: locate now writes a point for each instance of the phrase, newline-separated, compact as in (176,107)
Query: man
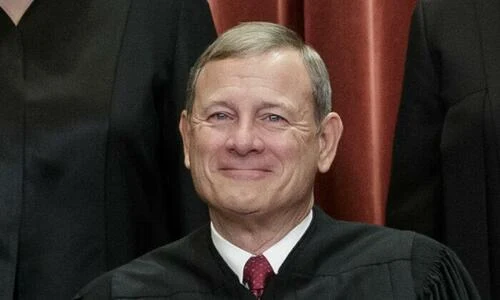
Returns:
(257,127)
(445,179)
(90,95)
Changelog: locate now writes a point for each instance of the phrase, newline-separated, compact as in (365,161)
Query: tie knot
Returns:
(256,273)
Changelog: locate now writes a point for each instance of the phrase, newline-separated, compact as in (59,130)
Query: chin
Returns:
(243,205)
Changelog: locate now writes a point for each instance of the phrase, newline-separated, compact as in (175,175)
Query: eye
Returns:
(219,116)
(274,118)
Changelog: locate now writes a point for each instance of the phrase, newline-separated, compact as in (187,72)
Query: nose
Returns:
(244,138)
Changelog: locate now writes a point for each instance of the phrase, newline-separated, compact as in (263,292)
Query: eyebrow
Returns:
(284,105)
(224,103)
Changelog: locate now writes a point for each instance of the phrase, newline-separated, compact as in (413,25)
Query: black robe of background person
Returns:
(90,93)
(445,178)
(333,260)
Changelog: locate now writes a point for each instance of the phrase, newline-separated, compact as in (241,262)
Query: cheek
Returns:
(205,146)
(293,146)
(299,157)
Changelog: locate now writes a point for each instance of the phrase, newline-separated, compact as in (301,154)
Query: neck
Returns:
(15,8)
(255,233)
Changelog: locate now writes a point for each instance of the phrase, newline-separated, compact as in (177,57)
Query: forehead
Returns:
(279,71)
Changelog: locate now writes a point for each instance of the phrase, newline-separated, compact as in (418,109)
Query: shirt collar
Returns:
(236,257)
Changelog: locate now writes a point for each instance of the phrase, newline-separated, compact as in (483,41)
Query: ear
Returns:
(329,136)
(185,129)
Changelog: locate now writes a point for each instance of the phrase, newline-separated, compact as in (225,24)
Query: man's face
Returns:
(252,142)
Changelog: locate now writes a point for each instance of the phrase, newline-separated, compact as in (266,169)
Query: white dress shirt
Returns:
(236,257)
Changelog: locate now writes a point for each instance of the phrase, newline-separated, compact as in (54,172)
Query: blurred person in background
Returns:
(91,171)
(445,180)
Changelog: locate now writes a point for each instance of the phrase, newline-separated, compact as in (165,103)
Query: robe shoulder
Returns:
(406,262)
(174,269)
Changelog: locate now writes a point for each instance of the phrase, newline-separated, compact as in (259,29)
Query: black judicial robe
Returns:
(333,260)
(90,160)
(445,179)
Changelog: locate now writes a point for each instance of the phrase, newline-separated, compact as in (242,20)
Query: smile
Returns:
(245,174)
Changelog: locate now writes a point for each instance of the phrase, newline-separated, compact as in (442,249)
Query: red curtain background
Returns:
(363,43)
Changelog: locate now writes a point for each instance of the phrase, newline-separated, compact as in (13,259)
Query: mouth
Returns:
(245,174)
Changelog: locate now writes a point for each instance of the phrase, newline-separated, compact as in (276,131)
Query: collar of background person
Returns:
(15,9)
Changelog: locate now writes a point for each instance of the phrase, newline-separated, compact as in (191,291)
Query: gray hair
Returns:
(256,38)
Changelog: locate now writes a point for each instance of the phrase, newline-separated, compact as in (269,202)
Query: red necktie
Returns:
(256,273)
